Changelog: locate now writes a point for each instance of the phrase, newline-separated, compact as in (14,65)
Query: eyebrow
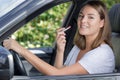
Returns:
(87,14)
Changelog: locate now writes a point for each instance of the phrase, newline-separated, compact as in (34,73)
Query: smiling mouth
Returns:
(84,27)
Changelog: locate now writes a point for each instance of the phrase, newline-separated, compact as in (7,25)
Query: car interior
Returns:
(24,68)
(114,16)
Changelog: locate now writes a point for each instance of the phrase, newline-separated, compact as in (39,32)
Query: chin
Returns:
(83,33)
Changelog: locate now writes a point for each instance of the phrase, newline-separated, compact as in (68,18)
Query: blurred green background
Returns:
(40,32)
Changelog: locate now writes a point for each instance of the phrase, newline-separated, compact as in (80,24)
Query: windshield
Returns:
(7,5)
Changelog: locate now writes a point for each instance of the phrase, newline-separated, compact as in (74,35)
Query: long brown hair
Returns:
(105,32)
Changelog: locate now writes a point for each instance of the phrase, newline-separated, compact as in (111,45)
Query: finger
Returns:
(61,40)
(60,29)
(6,45)
(64,41)
(5,42)
(61,36)
(61,33)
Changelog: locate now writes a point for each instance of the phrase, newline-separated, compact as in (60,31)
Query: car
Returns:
(15,14)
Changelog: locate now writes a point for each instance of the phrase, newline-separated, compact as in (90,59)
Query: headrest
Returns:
(114,16)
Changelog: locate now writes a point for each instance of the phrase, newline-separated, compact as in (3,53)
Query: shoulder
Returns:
(75,47)
(99,60)
(71,57)
(74,50)
(103,49)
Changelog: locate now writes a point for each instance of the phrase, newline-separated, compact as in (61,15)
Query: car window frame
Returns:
(14,20)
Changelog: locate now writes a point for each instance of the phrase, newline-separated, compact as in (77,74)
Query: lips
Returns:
(84,27)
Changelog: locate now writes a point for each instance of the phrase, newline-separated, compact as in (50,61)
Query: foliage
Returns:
(41,30)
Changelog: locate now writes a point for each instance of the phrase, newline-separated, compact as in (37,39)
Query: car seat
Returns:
(114,16)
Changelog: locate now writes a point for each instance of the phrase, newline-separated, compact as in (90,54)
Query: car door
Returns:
(38,35)
(70,34)
(16,16)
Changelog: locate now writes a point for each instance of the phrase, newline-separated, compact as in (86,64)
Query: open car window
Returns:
(40,32)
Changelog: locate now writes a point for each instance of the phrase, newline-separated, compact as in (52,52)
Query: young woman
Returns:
(92,52)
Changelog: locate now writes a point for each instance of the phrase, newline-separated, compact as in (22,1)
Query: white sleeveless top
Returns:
(98,60)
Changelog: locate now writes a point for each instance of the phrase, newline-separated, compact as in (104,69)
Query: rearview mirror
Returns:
(6,64)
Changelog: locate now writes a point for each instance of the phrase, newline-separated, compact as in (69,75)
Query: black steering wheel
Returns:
(19,68)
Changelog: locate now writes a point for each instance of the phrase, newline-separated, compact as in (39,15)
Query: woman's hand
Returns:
(61,40)
(12,44)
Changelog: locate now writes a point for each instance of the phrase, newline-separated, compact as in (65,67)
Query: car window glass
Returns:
(8,5)
(40,32)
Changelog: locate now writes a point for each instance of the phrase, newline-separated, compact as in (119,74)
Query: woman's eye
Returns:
(80,16)
(91,17)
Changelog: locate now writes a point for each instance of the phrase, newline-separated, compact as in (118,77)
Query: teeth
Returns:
(84,27)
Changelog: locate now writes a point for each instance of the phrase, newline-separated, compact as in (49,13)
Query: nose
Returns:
(84,19)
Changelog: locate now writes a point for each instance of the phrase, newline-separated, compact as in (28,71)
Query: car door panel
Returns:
(43,53)
(75,77)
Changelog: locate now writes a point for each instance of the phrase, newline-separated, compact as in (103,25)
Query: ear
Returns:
(102,22)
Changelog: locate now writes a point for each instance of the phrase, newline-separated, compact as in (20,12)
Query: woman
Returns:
(92,52)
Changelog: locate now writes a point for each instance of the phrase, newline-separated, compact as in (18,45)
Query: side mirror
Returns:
(6,64)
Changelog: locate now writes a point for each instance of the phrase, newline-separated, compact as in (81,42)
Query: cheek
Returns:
(94,23)
(95,26)
(78,24)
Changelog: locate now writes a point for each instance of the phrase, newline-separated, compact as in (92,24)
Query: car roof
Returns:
(8,5)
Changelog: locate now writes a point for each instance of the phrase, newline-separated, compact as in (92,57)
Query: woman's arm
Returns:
(40,65)
(47,69)
(60,39)
(59,60)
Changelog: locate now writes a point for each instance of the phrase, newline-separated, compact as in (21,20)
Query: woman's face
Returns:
(89,22)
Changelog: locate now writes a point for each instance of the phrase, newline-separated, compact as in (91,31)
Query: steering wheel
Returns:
(19,68)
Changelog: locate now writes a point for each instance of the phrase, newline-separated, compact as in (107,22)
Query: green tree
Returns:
(41,30)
